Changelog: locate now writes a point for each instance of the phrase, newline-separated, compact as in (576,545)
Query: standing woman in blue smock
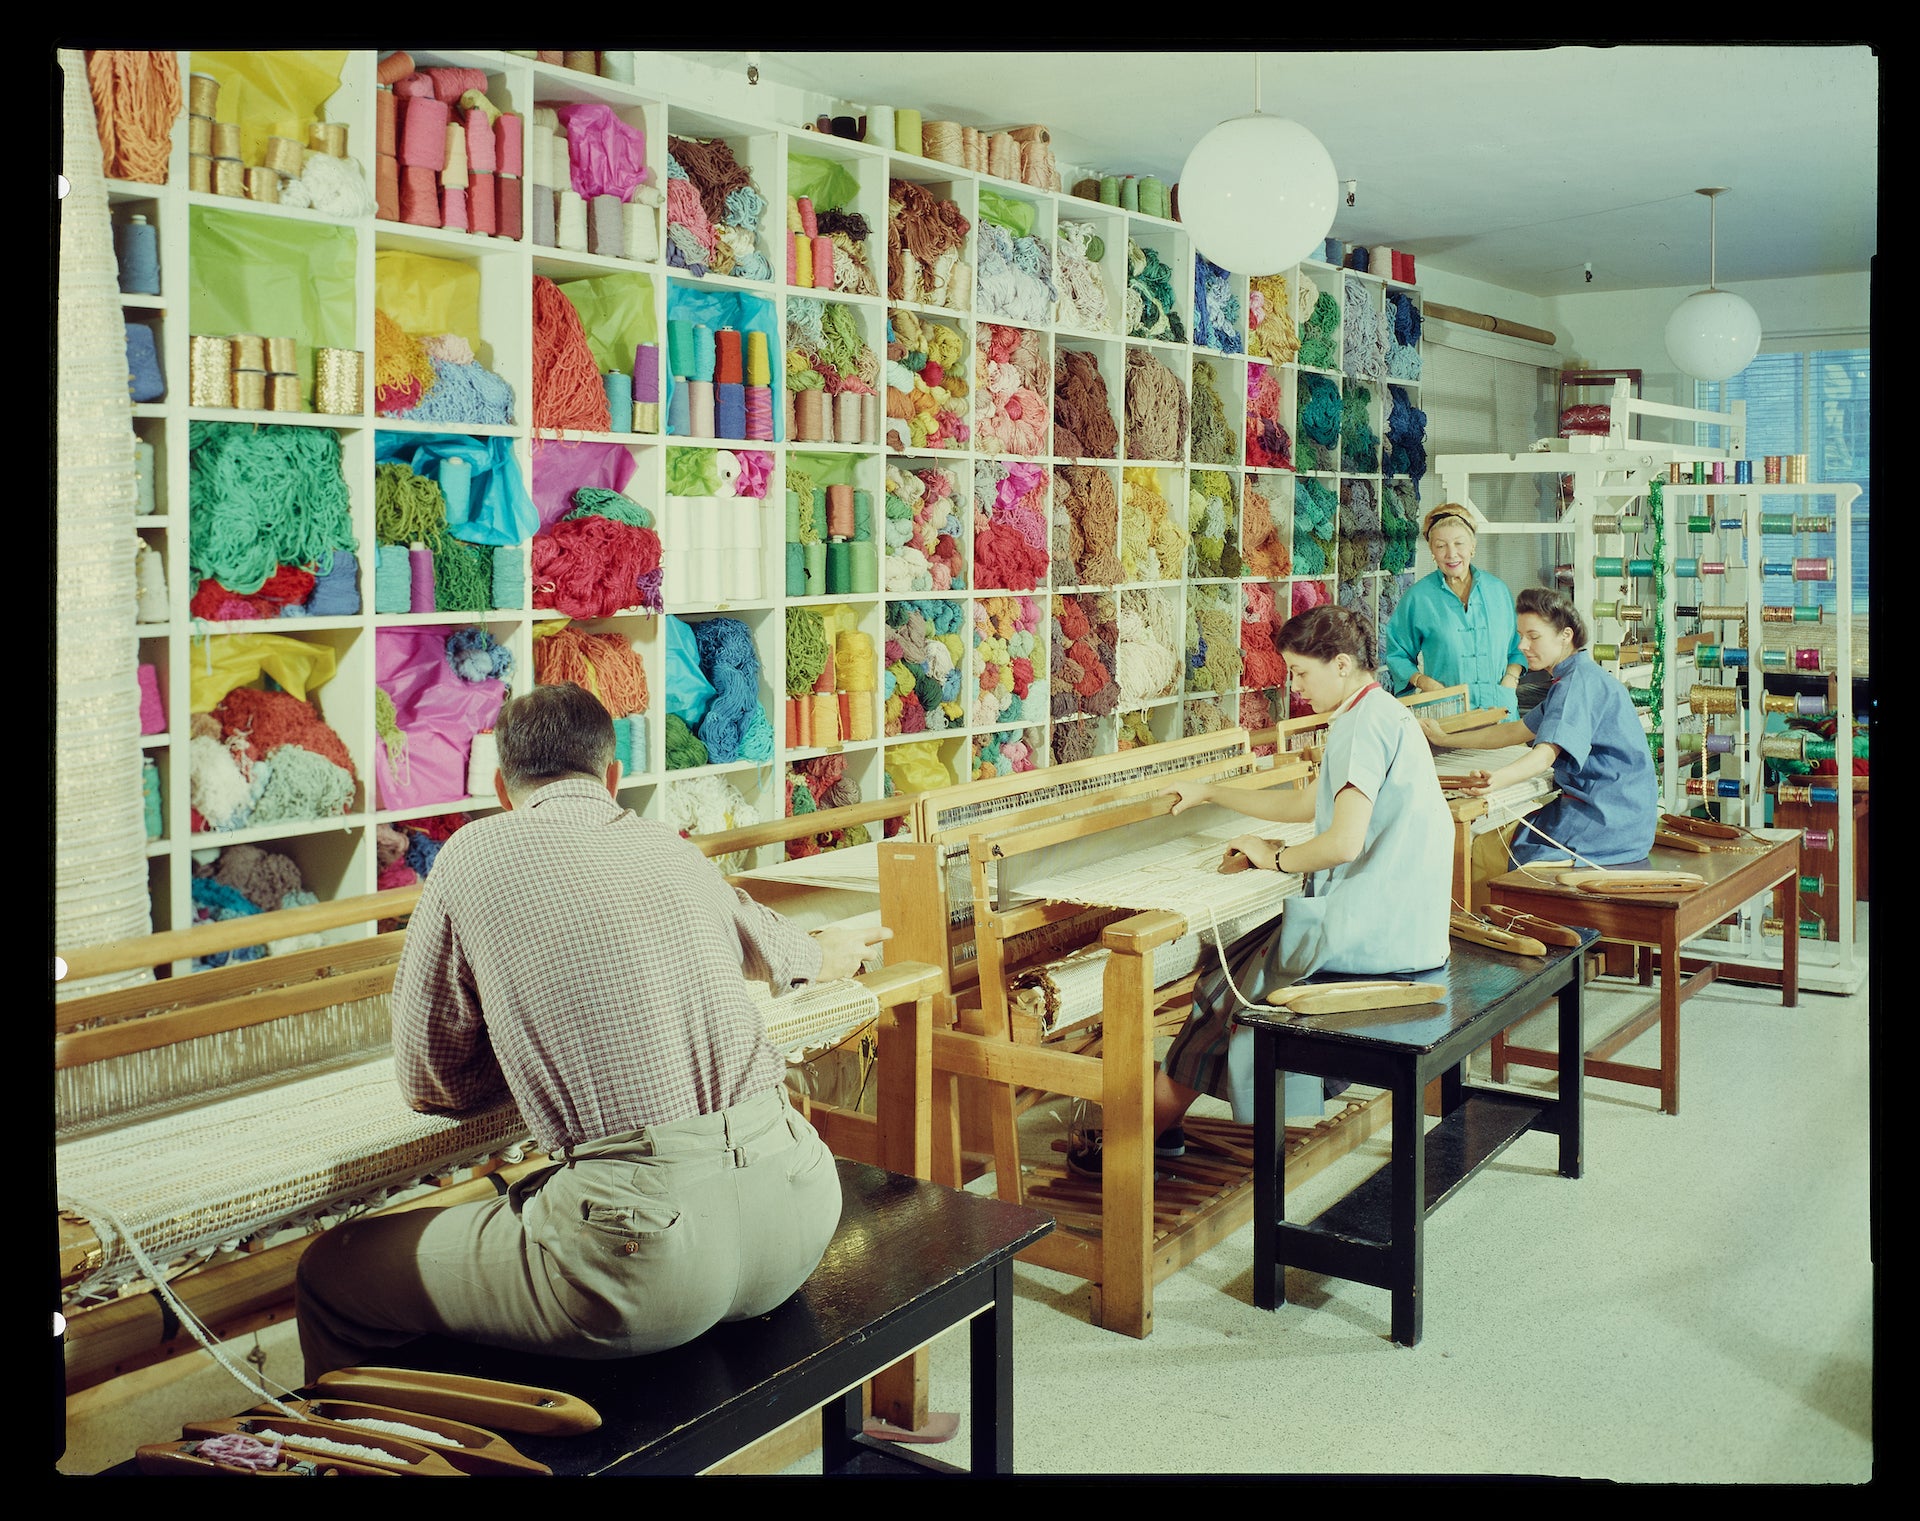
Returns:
(1377,870)
(1588,733)
(1455,626)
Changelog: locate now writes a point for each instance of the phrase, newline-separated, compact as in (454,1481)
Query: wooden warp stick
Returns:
(471,1449)
(1681,842)
(1469,928)
(461,1397)
(1479,718)
(401,1456)
(1530,924)
(1343,997)
(1600,880)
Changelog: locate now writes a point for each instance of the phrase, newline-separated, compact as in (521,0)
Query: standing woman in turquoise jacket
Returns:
(1455,627)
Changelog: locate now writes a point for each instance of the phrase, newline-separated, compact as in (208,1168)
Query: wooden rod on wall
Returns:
(1489,324)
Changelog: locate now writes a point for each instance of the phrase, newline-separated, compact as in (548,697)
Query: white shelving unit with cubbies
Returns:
(995,587)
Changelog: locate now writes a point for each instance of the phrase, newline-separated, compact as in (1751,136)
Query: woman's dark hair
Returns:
(1545,603)
(551,732)
(1325,631)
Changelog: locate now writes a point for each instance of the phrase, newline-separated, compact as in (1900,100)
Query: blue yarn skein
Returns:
(732,665)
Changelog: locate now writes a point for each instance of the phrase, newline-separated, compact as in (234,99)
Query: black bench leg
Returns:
(840,1421)
(1269,1176)
(1573,1073)
(1409,1205)
(990,1368)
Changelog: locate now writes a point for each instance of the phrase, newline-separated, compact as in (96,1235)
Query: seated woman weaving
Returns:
(1588,733)
(1376,898)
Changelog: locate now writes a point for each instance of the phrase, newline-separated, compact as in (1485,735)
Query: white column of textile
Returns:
(99,846)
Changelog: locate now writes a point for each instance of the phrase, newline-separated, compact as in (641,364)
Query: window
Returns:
(1818,404)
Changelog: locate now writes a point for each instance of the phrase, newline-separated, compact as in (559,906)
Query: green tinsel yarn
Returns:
(684,747)
(262,497)
(599,502)
(806,650)
(462,575)
(407,508)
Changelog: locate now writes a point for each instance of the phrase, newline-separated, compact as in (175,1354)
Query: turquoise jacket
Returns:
(1469,646)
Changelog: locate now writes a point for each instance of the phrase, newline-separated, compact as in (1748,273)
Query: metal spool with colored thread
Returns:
(1805,792)
(1614,523)
(1743,472)
(1816,839)
(1700,522)
(1810,929)
(1715,786)
(1709,699)
(1771,472)
(1810,614)
(1713,744)
(1606,652)
(1815,885)
(1794,705)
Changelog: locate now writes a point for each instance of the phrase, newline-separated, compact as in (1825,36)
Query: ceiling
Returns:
(1517,166)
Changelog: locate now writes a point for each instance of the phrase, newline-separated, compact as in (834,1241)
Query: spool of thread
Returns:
(456,489)
(1743,472)
(477,147)
(826,719)
(1153,197)
(283,394)
(727,367)
(607,226)
(846,426)
(249,351)
(646,372)
(796,566)
(200,135)
(822,263)
(1794,704)
(226,140)
(386,188)
(705,352)
(1699,472)
(680,349)
(419,196)
(229,177)
(143,500)
(759,370)
(454,175)
(483,205)
(679,413)
(544,232)
(1603,653)
(816,563)
(907,132)
(1772,469)
(136,249)
(809,221)
(1806,792)
(541,155)
(700,408)
(839,567)
(847,127)
(329,137)
(1814,569)
(880,126)
(560,172)
(423,133)
(1723,611)
(809,419)
(200,173)
(1715,786)
(483,762)
(1773,660)
(1816,839)
(1807,660)
(386,125)
(250,390)
(203,94)
(1713,700)
(1794,469)
(870,419)
(420,562)
(509,152)
(729,410)
(509,577)
(1129,193)
(392,579)
(453,208)
(509,218)
(800,261)
(1719,471)
(760,413)
(150,797)
(571,220)
(339,381)
(619,401)
(865,566)
(840,512)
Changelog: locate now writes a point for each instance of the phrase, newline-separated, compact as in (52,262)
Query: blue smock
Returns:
(1387,910)
(1470,645)
(1609,798)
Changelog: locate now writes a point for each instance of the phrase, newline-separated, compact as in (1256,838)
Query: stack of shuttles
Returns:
(713,548)
(447,156)
(722,382)
(605,225)
(214,159)
(633,400)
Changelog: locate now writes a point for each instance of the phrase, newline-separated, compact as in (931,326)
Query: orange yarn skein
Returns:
(136,100)
(567,389)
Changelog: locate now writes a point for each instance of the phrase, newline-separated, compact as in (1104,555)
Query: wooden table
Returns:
(1376,1234)
(1666,922)
(910,1260)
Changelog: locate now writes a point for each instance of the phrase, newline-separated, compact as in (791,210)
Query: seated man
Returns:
(592,964)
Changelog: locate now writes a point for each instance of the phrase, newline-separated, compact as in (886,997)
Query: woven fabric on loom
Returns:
(188,1182)
(1506,803)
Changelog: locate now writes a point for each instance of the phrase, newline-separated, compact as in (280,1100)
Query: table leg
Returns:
(1573,1069)
(1790,955)
(990,1371)
(1671,980)
(1409,1207)
(1269,1175)
(839,1420)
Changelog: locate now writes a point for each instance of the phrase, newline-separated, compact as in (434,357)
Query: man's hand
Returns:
(844,947)
(1190,796)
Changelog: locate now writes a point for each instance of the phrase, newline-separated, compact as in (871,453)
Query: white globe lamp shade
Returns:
(1713,335)
(1257,194)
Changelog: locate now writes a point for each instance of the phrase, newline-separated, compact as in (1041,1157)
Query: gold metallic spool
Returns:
(1793,469)
(250,390)
(200,135)
(210,372)
(263,185)
(199,173)
(249,351)
(285,156)
(1779,702)
(283,393)
(1629,612)
(281,356)
(226,139)
(337,381)
(229,177)
(203,94)
(1677,473)
(328,137)
(1706,699)
(1722,610)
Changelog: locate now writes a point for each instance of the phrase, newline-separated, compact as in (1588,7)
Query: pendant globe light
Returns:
(1257,193)
(1713,334)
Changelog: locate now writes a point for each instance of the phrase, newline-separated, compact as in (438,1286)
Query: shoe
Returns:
(1171,1142)
(1084,1160)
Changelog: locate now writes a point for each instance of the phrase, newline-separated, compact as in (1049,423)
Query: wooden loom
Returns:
(996,1051)
(327,1134)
